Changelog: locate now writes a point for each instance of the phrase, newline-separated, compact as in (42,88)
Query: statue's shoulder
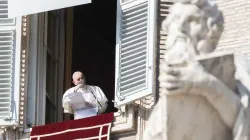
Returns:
(242,62)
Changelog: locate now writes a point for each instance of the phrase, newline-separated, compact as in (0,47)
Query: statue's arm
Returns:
(194,79)
(222,98)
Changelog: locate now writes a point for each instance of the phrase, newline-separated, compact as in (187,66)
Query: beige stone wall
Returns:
(236,36)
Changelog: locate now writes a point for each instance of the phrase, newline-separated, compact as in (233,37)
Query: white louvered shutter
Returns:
(7,63)
(134,50)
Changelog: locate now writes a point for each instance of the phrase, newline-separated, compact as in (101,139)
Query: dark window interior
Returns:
(94,34)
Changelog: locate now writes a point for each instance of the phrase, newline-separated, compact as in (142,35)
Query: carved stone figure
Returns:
(204,96)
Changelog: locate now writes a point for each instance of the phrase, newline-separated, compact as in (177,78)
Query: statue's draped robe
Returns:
(194,118)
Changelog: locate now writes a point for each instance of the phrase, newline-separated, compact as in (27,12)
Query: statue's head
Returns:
(195,25)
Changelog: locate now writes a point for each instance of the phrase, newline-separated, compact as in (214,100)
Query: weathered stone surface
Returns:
(204,96)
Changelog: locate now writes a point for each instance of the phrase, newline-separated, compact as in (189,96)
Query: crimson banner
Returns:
(92,128)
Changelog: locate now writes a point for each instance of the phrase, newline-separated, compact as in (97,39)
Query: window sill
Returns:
(124,120)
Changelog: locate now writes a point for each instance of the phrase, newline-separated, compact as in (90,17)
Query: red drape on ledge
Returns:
(92,128)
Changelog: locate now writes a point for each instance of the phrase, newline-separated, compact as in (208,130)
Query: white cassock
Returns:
(97,103)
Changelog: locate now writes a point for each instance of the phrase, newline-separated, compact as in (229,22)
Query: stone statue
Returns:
(203,96)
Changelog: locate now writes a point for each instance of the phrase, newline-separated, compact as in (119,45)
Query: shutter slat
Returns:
(130,21)
(134,13)
(4,108)
(5,82)
(144,33)
(132,56)
(140,48)
(137,68)
(3,75)
(4,79)
(5,98)
(4,94)
(134,10)
(134,40)
(135,31)
(135,87)
(126,68)
(1,70)
(138,40)
(3,113)
(139,81)
(130,28)
(4,55)
(130,69)
(4,103)
(5,89)
(133,75)
(142,43)
(5,65)
(133,63)
(135,20)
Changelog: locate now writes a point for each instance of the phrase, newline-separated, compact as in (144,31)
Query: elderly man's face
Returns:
(187,23)
(78,78)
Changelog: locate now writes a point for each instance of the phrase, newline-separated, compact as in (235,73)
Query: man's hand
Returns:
(182,77)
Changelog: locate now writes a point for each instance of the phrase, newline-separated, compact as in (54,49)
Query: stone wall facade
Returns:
(236,35)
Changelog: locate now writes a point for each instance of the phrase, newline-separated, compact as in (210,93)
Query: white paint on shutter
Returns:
(135,25)
(4,20)
(10,41)
(133,74)
(6,65)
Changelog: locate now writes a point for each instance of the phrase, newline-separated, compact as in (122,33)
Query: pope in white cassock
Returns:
(95,100)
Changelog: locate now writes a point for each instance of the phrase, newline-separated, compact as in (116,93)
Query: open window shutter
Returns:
(134,50)
(7,61)
(26,7)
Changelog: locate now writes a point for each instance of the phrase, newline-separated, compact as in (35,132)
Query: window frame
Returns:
(37,71)
(18,8)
